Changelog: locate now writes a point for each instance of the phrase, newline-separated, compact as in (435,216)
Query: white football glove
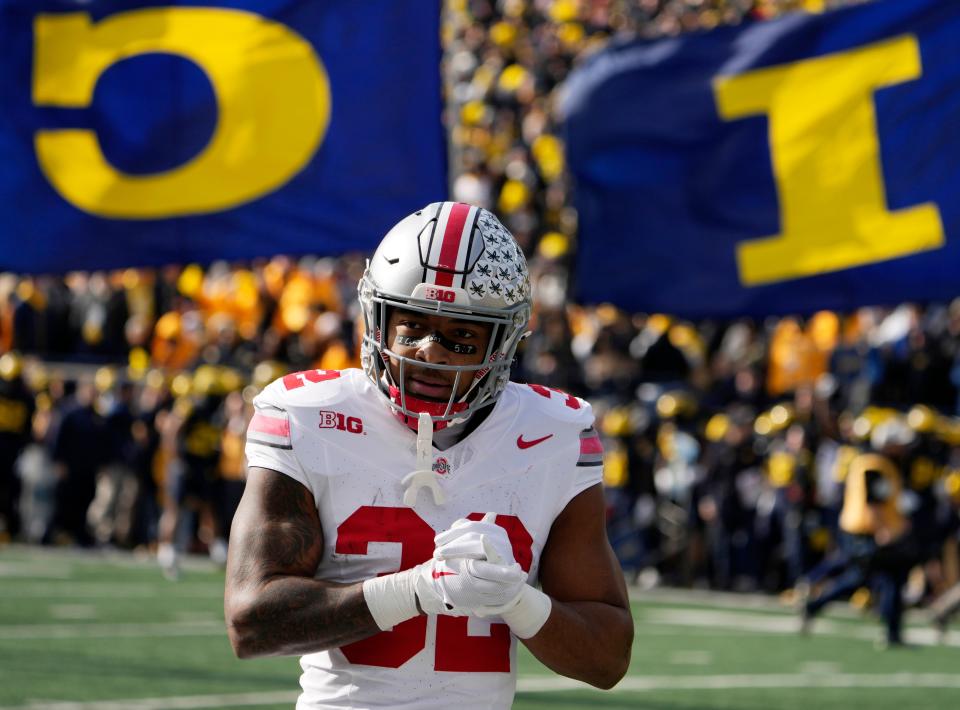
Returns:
(481,553)
(475,540)
(483,549)
(466,585)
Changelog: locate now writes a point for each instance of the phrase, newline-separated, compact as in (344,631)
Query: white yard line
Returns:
(706,597)
(699,622)
(136,630)
(184,702)
(30,570)
(712,618)
(74,612)
(100,590)
(746,622)
(691,658)
(791,680)
(546,684)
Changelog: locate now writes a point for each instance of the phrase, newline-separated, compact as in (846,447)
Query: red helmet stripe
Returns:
(453,237)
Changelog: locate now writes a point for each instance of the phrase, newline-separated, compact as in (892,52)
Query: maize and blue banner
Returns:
(808,162)
(138,133)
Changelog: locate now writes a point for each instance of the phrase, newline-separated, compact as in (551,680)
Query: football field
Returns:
(91,631)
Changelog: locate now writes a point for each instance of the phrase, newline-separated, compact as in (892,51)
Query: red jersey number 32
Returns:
(456,650)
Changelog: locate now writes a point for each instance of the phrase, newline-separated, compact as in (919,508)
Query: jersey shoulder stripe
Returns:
(591,448)
(270,427)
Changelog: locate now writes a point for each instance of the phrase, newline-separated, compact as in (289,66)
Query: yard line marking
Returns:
(99,590)
(185,702)
(820,667)
(751,681)
(28,569)
(137,630)
(792,680)
(787,625)
(703,620)
(545,684)
(76,612)
(191,617)
(691,658)
(762,623)
(38,555)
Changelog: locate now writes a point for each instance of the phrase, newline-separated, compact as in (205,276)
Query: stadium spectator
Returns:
(110,515)
(16,415)
(78,453)
(194,427)
(233,464)
(878,541)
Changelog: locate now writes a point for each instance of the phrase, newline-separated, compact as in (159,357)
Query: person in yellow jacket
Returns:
(875,532)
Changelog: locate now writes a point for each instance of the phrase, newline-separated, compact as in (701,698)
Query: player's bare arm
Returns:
(589,633)
(272,602)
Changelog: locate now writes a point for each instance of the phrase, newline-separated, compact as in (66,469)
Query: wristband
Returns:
(392,598)
(529,613)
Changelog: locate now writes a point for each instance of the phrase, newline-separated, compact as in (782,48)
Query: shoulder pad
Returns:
(556,404)
(306,388)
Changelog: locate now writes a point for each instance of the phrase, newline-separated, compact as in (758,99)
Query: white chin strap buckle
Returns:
(423,476)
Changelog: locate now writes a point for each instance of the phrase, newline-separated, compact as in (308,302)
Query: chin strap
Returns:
(423,476)
(437,409)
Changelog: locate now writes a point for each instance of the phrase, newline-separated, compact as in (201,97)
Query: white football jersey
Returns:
(333,432)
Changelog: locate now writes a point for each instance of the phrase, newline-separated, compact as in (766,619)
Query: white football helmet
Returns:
(454,260)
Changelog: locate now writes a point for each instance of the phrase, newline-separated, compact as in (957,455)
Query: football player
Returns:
(398,521)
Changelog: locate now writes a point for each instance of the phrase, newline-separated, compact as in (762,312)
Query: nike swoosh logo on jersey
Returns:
(438,575)
(533,442)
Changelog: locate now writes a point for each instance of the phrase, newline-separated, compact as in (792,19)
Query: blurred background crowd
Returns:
(732,447)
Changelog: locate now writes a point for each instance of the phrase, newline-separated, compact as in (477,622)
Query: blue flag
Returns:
(134,133)
(808,162)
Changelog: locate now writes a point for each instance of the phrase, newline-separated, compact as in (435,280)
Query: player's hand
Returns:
(394,598)
(454,587)
(482,573)
(475,540)
(464,586)
(430,589)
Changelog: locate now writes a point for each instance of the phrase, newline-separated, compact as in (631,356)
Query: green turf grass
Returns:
(87,627)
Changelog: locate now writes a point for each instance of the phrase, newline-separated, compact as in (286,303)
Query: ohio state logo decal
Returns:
(441,466)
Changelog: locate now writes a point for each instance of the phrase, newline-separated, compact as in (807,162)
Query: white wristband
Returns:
(530,612)
(392,598)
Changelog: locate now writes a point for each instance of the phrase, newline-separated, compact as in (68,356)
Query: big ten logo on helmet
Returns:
(336,420)
(441,466)
(439,294)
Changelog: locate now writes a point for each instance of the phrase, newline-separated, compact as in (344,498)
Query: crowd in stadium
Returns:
(124,396)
